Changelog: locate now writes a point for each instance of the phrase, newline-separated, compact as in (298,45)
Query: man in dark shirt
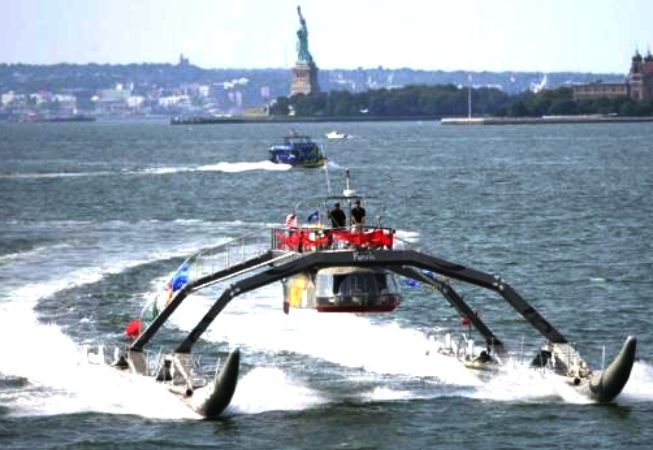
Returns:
(338,217)
(358,214)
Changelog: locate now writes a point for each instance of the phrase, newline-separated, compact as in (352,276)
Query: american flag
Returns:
(291,221)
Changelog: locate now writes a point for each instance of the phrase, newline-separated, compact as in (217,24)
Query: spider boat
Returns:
(344,270)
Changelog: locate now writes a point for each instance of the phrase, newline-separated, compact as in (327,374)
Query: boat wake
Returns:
(14,176)
(59,378)
(244,167)
(382,351)
(226,167)
(272,389)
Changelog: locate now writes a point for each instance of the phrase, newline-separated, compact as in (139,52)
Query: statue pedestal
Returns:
(304,79)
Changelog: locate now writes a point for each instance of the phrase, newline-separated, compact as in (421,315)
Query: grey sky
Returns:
(494,35)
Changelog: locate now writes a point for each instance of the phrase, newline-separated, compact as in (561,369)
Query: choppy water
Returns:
(96,215)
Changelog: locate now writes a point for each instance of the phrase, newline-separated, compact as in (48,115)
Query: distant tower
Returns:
(640,78)
(304,74)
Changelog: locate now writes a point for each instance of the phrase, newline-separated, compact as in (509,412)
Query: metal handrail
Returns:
(229,253)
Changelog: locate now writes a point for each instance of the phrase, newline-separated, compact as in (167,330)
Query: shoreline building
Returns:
(640,78)
(638,84)
(304,74)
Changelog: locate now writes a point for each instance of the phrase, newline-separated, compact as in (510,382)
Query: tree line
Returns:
(451,101)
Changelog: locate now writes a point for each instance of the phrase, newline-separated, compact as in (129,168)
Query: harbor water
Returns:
(97,216)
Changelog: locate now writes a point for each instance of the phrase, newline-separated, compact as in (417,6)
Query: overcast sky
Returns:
(492,35)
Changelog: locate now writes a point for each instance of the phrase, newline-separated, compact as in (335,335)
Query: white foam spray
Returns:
(244,167)
(270,388)
(61,380)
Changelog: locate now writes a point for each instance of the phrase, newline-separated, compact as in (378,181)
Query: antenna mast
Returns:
(328,182)
(469,96)
(347,192)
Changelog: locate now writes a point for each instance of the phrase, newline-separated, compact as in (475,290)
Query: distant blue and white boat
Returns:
(298,151)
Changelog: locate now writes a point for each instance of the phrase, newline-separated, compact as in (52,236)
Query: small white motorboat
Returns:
(335,134)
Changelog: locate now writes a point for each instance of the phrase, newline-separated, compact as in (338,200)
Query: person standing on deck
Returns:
(338,217)
(358,215)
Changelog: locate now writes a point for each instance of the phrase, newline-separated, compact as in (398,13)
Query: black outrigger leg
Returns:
(220,391)
(457,302)
(377,258)
(215,277)
(484,280)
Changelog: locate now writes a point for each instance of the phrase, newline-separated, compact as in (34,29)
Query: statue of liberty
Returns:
(303,55)
(304,74)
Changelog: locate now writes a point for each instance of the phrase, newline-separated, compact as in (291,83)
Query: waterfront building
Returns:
(600,90)
(638,84)
(7,98)
(183,61)
(112,101)
(640,78)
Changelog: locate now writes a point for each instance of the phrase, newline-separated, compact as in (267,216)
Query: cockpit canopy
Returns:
(344,289)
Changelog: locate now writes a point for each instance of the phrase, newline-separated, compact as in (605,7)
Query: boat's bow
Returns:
(606,385)
(222,389)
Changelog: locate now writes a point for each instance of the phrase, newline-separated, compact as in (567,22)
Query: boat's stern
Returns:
(343,289)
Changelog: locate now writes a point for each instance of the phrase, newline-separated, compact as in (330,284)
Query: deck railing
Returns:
(229,253)
(313,239)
